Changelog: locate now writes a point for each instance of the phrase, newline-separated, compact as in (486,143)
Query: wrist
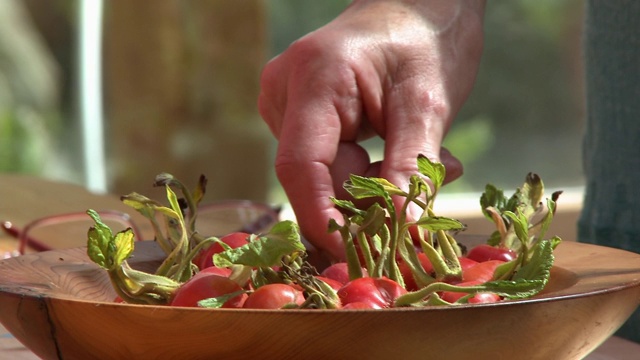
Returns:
(439,14)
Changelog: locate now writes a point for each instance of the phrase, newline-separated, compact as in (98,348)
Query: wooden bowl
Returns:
(58,304)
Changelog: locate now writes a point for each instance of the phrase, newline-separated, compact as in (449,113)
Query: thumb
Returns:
(452,164)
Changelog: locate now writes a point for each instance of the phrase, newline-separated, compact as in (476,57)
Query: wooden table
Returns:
(25,198)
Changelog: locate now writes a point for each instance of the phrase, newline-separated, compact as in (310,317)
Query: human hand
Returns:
(398,69)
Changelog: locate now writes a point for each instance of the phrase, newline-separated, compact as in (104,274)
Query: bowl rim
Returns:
(591,270)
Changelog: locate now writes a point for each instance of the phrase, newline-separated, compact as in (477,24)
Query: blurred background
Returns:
(174,84)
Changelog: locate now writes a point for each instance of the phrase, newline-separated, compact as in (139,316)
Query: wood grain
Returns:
(58,305)
(25,198)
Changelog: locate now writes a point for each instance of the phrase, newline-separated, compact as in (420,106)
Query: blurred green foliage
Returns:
(291,19)
(529,91)
(36,63)
(13,156)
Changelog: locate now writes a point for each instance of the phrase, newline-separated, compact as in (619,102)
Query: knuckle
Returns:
(286,168)
(437,105)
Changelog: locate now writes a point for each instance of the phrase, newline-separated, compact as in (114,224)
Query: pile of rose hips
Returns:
(478,267)
(391,260)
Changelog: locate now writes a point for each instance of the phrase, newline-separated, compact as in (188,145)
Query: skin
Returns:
(396,69)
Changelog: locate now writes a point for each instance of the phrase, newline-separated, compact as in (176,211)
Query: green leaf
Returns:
(148,207)
(334,226)
(373,220)
(347,205)
(555,241)
(124,244)
(361,187)
(101,228)
(539,264)
(435,171)
(265,251)
(531,278)
(99,250)
(418,184)
(506,270)
(217,302)
(139,202)
(435,223)
(494,239)
(531,193)
(520,224)
(541,228)
(376,243)
(198,193)
(492,197)
(514,289)
(152,282)
(100,246)
(175,212)
(111,252)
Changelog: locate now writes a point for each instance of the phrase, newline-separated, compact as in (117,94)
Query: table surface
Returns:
(25,198)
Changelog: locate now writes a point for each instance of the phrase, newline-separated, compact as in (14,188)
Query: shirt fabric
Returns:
(611,148)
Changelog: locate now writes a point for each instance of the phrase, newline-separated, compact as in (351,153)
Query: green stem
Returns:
(440,266)
(193,209)
(353,262)
(159,236)
(366,251)
(449,253)
(175,257)
(392,266)
(456,248)
(133,291)
(384,251)
(410,257)
(201,242)
(414,297)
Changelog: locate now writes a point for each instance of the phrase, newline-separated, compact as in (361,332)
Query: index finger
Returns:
(308,143)
(416,125)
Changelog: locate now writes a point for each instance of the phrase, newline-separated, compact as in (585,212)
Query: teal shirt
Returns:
(611,152)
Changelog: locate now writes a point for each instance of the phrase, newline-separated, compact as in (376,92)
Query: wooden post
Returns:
(181,89)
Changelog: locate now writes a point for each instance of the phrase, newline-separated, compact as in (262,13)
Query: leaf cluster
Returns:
(176,233)
(379,237)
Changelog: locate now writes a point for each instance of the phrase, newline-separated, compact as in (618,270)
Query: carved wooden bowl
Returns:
(60,306)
